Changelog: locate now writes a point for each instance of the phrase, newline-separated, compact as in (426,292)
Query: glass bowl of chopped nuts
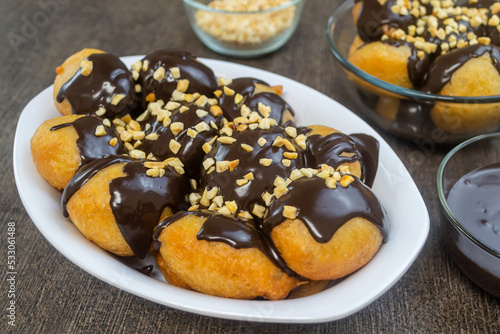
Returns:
(244,28)
(417,73)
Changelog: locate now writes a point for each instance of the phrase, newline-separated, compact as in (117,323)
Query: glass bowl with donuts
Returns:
(421,70)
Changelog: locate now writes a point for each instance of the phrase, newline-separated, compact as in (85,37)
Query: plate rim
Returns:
(229,312)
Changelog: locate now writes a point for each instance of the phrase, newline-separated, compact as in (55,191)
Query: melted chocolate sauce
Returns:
(243,86)
(475,201)
(250,193)
(369,148)
(109,76)
(373,16)
(147,270)
(328,149)
(442,69)
(85,173)
(201,78)
(137,200)
(89,145)
(325,210)
(276,102)
(191,152)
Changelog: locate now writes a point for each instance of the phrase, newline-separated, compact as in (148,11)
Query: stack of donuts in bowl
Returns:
(209,175)
(427,67)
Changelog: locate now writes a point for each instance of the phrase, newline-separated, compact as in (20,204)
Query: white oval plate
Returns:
(407,215)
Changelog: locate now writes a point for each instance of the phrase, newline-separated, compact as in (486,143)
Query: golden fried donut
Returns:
(216,267)
(90,212)
(383,61)
(447,48)
(63,144)
(94,82)
(116,202)
(331,232)
(476,77)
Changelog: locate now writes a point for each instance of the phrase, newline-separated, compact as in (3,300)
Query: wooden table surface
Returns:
(55,296)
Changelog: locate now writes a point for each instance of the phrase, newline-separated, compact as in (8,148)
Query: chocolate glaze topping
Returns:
(325,210)
(373,16)
(475,201)
(328,150)
(374,19)
(233,231)
(146,270)
(369,148)
(85,173)
(201,78)
(191,153)
(276,102)
(442,69)
(89,145)
(243,86)
(109,76)
(250,193)
(137,200)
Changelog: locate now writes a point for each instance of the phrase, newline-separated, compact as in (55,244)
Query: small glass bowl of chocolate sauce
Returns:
(468,185)
(405,113)
(243,29)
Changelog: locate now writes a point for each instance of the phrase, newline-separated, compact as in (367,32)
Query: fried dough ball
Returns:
(63,144)
(476,77)
(92,81)
(384,61)
(65,72)
(116,202)
(324,131)
(91,213)
(323,236)
(352,246)
(216,268)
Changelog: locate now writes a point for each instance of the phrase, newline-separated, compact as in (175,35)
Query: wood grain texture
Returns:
(55,296)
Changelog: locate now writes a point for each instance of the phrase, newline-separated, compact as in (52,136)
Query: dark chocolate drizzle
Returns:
(109,77)
(276,102)
(233,231)
(368,147)
(191,153)
(89,145)
(250,193)
(146,270)
(242,86)
(442,69)
(475,201)
(137,200)
(328,149)
(325,210)
(373,16)
(201,78)
(85,173)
